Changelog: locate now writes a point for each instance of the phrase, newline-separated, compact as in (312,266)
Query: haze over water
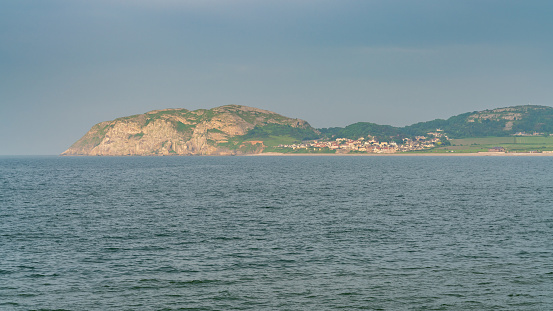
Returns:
(276,233)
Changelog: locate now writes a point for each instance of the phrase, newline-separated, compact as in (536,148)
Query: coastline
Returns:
(452,154)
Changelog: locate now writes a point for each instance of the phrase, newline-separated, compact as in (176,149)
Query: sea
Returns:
(276,233)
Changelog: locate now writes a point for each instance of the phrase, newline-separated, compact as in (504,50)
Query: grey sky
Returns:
(68,64)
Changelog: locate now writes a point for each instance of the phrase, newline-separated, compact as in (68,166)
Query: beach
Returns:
(450,154)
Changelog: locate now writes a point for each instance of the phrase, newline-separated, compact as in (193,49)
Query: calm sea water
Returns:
(276,233)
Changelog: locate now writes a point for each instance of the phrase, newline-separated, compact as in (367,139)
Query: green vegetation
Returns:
(205,115)
(232,144)
(269,141)
(501,122)
(511,144)
(137,135)
(248,116)
(251,116)
(215,131)
(271,135)
(169,112)
(459,127)
(540,121)
(275,130)
(134,116)
(497,122)
(98,132)
(184,128)
(150,117)
(362,129)
(250,148)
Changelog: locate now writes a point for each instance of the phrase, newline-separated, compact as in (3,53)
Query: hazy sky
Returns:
(66,65)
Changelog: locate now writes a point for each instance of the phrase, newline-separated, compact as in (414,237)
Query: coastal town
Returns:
(370,144)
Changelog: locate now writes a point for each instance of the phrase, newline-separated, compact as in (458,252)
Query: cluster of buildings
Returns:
(371,145)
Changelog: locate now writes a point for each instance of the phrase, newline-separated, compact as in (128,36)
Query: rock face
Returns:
(526,118)
(177,132)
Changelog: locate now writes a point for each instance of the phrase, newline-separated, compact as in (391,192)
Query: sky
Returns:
(66,65)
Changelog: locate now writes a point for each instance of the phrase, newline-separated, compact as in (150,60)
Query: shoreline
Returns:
(451,154)
(278,154)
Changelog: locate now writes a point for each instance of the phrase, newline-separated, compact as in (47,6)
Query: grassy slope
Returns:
(534,119)
(272,135)
(511,144)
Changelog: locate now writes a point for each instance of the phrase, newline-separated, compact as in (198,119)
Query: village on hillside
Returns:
(371,145)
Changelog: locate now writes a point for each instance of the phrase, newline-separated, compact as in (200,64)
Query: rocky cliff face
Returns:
(527,118)
(177,132)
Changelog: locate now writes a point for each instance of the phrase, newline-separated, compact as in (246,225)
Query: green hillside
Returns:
(500,122)
(495,122)
(362,129)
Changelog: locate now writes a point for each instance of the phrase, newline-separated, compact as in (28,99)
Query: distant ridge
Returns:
(493,122)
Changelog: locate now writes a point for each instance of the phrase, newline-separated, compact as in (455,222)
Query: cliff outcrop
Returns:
(180,132)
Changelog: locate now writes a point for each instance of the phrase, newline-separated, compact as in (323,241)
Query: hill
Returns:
(498,122)
(495,122)
(223,130)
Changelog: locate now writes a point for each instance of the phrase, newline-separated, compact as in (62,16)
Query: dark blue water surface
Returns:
(276,233)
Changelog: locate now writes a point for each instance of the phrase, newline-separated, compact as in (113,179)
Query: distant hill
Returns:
(494,122)
(223,130)
(233,129)
(362,129)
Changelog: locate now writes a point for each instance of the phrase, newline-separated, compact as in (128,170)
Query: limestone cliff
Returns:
(179,132)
